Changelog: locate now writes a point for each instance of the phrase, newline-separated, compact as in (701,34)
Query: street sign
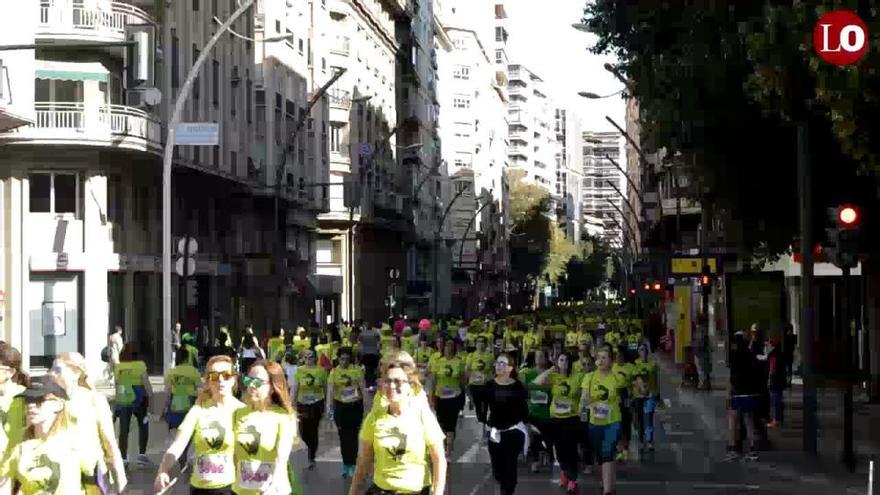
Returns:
(190,266)
(692,265)
(197,134)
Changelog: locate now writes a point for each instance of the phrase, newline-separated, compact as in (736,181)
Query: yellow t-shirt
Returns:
(275,346)
(46,466)
(571,339)
(312,383)
(184,381)
(480,367)
(346,383)
(259,436)
(213,436)
(84,408)
(566,392)
(447,377)
(13,419)
(604,396)
(400,447)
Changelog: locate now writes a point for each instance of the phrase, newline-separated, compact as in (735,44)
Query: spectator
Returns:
(788,347)
(744,398)
(776,382)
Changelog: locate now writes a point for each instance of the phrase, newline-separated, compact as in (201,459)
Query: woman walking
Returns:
(92,421)
(115,345)
(209,424)
(447,382)
(183,382)
(310,388)
(541,450)
(600,397)
(133,394)
(265,431)
(397,439)
(644,394)
(508,410)
(479,373)
(345,399)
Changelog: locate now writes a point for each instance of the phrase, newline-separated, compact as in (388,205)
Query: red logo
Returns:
(840,37)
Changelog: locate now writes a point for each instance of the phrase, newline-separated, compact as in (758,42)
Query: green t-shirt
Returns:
(613,339)
(407,344)
(258,436)
(345,333)
(584,338)
(480,367)
(312,383)
(13,418)
(447,377)
(566,391)
(129,383)
(184,381)
(193,355)
(45,466)
(633,340)
(582,368)
(400,447)
(211,429)
(539,395)
(346,383)
(327,350)
(276,348)
(604,397)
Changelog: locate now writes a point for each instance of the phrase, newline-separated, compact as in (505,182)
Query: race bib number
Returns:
(601,410)
(477,377)
(448,392)
(310,398)
(348,394)
(633,347)
(562,406)
(539,397)
(214,468)
(255,475)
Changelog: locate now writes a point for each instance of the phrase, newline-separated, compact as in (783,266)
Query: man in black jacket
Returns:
(744,398)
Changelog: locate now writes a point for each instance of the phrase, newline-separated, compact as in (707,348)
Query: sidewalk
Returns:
(785,459)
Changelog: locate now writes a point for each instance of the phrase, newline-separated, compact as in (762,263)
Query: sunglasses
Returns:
(215,376)
(252,381)
(394,382)
(501,363)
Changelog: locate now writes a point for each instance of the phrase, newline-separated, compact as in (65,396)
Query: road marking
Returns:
(470,455)
(684,433)
(481,484)
(332,455)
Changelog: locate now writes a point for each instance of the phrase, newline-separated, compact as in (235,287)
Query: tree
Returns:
(587,271)
(721,84)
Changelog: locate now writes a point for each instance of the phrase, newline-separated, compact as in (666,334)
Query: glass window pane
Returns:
(40,185)
(65,193)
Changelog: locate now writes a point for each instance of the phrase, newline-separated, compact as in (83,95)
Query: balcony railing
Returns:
(89,123)
(339,98)
(342,45)
(65,18)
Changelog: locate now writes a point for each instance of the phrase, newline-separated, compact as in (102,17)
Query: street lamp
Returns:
(593,96)
(583,27)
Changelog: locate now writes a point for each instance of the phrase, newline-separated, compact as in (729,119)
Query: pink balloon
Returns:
(425,325)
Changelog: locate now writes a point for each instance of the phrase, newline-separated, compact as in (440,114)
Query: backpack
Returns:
(105,354)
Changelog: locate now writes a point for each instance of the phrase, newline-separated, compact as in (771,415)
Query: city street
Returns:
(688,459)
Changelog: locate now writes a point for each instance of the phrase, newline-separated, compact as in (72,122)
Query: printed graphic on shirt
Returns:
(249,438)
(45,474)
(214,435)
(395,443)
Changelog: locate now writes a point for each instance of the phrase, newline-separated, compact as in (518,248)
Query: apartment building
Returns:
(532,135)
(601,177)
(569,173)
(473,128)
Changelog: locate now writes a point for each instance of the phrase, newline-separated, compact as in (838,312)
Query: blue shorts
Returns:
(603,441)
(174,419)
(744,403)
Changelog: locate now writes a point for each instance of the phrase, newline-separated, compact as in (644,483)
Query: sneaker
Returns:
(731,456)
(572,487)
(750,457)
(311,465)
(563,479)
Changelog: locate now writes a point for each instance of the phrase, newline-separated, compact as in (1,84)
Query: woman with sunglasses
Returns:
(47,460)
(309,389)
(345,405)
(508,410)
(133,394)
(447,383)
(92,421)
(265,431)
(398,438)
(209,424)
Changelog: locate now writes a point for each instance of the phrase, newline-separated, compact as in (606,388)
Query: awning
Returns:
(70,71)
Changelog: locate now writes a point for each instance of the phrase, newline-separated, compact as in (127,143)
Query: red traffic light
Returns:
(647,286)
(632,291)
(704,280)
(847,215)
(657,286)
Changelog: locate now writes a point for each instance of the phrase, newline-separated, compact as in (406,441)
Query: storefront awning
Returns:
(70,71)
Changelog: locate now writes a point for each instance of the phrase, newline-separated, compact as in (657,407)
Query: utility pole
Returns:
(807,300)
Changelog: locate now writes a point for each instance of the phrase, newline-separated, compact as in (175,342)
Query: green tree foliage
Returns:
(587,271)
(722,85)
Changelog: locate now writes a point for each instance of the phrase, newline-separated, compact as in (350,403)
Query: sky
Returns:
(542,39)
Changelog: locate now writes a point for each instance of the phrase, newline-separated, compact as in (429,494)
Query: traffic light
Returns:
(706,280)
(657,286)
(843,236)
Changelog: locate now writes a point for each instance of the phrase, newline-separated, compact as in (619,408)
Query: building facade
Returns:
(601,200)
(569,174)
(532,133)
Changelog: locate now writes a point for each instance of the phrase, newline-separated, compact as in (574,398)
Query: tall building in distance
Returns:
(569,173)
(601,177)
(532,133)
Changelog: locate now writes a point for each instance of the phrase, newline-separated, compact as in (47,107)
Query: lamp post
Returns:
(593,96)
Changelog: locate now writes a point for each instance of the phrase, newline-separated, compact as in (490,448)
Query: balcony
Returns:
(65,21)
(9,117)
(113,126)
(341,45)
(339,98)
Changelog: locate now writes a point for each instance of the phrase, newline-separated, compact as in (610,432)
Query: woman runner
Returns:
(133,394)
(92,422)
(398,438)
(265,431)
(644,393)
(508,409)
(345,399)
(447,382)
(310,388)
(600,396)
(209,424)
(183,382)
(541,446)
(479,366)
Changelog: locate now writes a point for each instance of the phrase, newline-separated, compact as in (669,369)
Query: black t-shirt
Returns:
(507,404)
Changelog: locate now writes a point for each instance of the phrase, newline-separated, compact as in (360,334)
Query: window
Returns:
(214,9)
(323,64)
(499,56)
(499,34)
(195,5)
(53,192)
(300,46)
(175,59)
(336,137)
(289,34)
(215,151)
(463,159)
(233,103)
(249,95)
(463,129)
(459,43)
(278,27)
(461,101)
(460,186)
(462,72)
(196,83)
(215,82)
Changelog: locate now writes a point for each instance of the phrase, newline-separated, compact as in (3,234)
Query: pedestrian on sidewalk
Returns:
(758,348)
(788,347)
(744,399)
(92,420)
(776,381)
(369,341)
(508,411)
